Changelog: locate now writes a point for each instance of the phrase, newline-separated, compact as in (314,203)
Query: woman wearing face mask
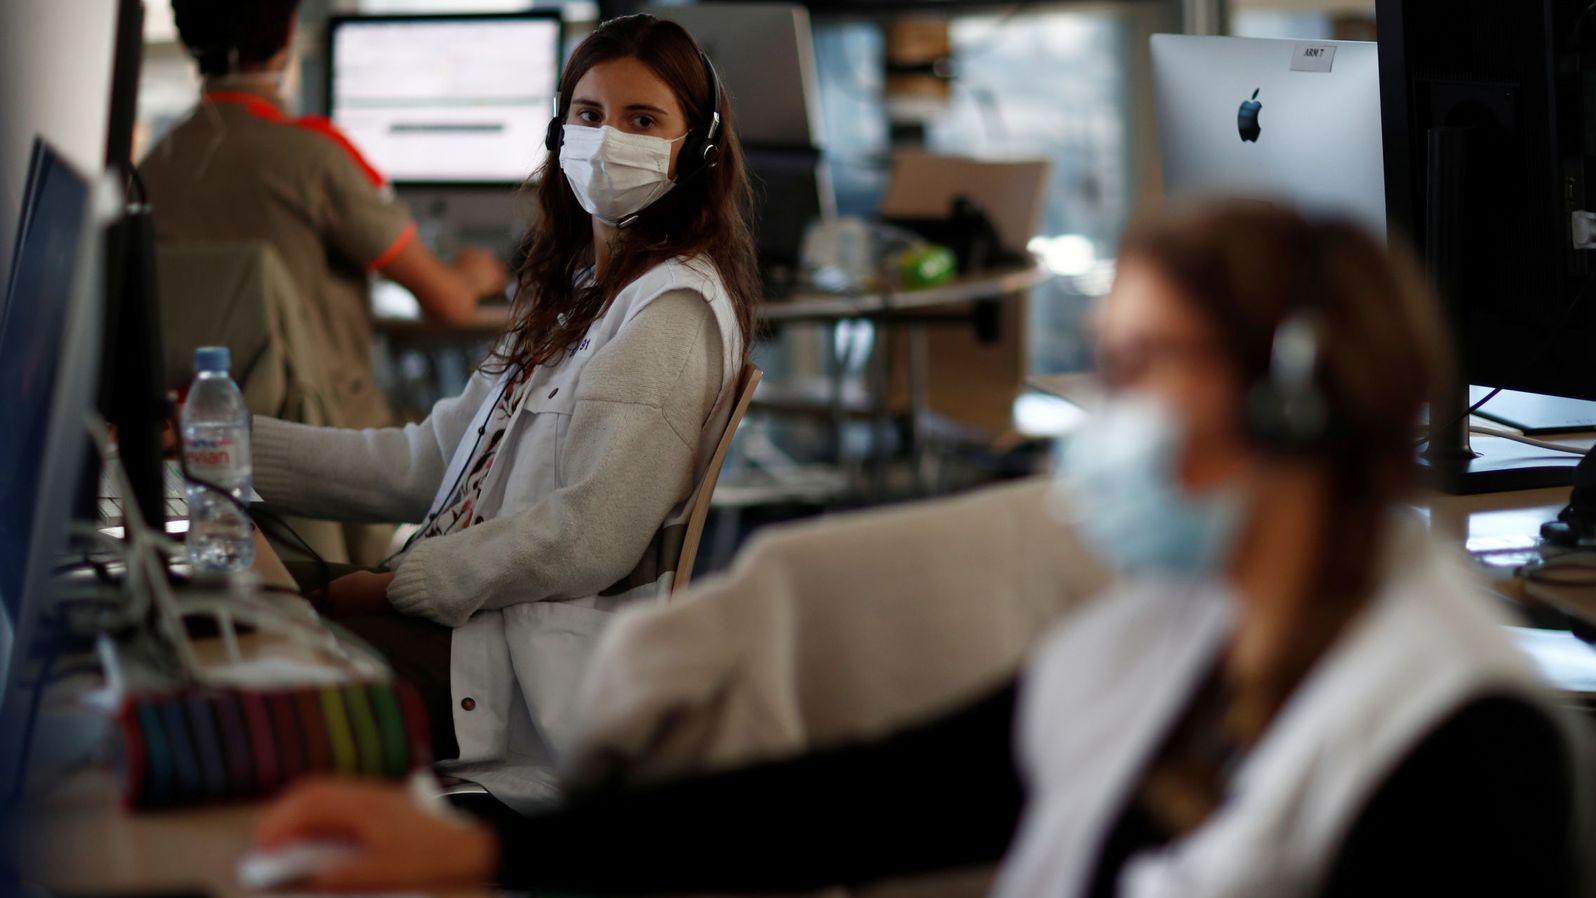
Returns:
(554,489)
(1291,692)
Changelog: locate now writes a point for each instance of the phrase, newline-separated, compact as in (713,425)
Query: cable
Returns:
(1430,432)
(1538,356)
(1576,569)
(254,513)
(258,513)
(102,571)
(1528,441)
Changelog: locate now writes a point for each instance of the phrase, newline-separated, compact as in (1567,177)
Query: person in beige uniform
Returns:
(239,168)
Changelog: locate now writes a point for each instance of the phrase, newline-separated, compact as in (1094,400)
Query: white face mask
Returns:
(615,175)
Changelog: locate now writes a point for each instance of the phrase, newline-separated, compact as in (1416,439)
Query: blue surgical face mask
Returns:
(1120,478)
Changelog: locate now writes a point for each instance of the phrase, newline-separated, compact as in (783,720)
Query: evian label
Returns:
(216,457)
(1313,57)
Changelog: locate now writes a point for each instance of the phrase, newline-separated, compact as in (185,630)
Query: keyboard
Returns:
(176,499)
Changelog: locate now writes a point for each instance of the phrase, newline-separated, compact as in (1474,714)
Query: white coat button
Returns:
(553,391)
(468,703)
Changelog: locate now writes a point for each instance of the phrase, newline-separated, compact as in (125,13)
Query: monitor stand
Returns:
(1455,461)
(1496,465)
(1535,414)
(1449,459)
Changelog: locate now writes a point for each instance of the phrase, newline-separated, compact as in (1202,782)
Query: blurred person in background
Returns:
(240,168)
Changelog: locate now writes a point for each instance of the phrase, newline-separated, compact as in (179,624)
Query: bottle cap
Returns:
(212,360)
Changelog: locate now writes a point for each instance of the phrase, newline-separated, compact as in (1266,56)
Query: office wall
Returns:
(55,80)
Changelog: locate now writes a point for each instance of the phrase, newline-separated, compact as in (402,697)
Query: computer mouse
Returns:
(290,864)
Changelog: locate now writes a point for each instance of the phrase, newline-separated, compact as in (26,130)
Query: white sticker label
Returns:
(1313,57)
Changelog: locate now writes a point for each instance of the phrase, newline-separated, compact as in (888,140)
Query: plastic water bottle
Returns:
(216,452)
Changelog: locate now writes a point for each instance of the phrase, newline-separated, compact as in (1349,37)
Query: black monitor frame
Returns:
(36,163)
(1487,157)
(132,389)
(65,442)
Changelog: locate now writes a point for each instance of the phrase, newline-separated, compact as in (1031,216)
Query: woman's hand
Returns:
(399,845)
(362,592)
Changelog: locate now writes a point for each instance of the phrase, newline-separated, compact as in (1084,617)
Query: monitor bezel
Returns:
(339,21)
(76,376)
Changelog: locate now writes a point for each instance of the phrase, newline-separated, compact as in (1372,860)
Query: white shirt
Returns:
(1107,685)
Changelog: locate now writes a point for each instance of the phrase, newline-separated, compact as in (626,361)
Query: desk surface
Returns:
(806,306)
(490,322)
(80,839)
(998,284)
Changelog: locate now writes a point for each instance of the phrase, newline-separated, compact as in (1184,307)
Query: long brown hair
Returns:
(704,215)
(1245,265)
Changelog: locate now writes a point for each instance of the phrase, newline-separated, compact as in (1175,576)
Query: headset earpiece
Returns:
(555,136)
(701,151)
(1286,412)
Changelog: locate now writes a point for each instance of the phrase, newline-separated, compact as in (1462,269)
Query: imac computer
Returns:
(446,100)
(49,358)
(1488,152)
(1294,121)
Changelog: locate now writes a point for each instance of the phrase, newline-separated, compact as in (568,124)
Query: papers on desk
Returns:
(1563,658)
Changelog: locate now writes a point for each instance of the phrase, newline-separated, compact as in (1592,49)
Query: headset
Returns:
(1286,412)
(699,153)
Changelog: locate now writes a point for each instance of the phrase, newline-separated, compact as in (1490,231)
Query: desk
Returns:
(79,839)
(801,306)
(83,842)
(996,284)
(958,302)
(489,323)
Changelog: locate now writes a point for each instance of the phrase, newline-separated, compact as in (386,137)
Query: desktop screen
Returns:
(446,99)
(32,327)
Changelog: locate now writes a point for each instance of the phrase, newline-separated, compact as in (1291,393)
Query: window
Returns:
(1050,83)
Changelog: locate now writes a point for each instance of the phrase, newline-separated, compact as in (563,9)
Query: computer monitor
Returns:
(437,100)
(765,57)
(132,389)
(1292,121)
(49,356)
(36,165)
(1488,156)
(127,59)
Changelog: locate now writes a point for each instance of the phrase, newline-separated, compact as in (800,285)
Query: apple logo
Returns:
(1247,119)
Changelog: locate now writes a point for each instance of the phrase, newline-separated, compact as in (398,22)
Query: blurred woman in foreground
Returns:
(1291,692)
